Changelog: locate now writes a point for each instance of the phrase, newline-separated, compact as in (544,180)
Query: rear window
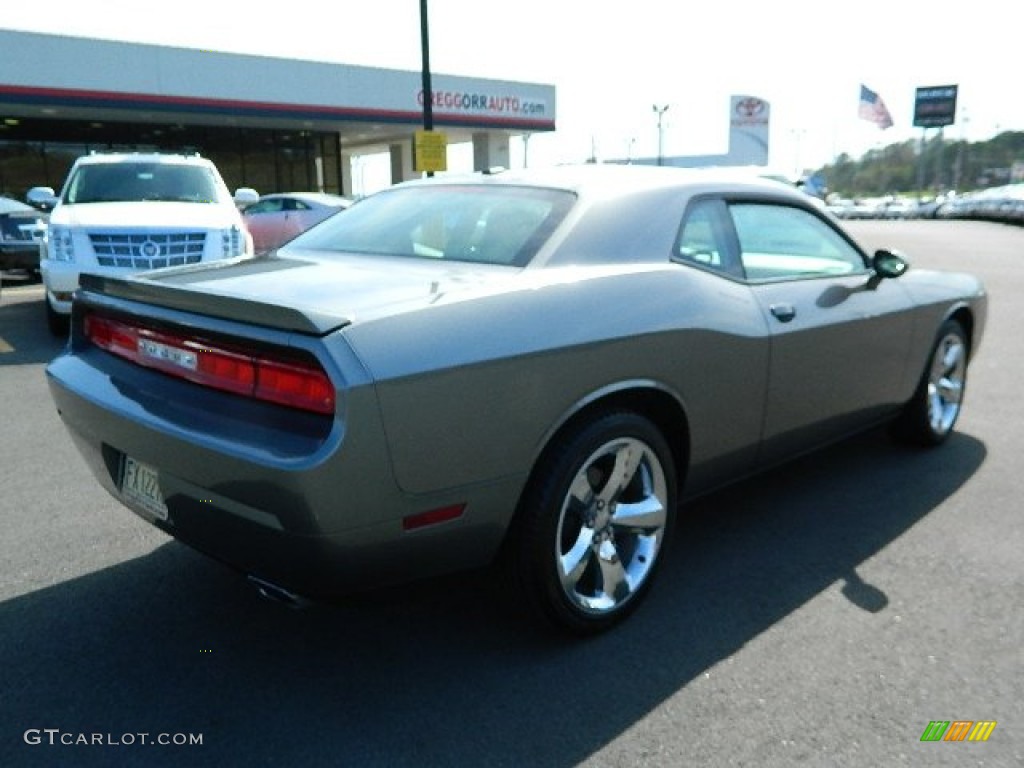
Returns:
(485,224)
(134,182)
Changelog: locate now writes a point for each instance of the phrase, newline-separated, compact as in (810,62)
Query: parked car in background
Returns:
(859,208)
(839,206)
(120,213)
(1004,204)
(928,207)
(529,367)
(277,218)
(900,208)
(22,229)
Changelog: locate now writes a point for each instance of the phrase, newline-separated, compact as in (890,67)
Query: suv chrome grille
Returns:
(148,251)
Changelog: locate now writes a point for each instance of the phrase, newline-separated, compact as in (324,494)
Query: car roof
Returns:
(8,205)
(595,180)
(142,157)
(323,198)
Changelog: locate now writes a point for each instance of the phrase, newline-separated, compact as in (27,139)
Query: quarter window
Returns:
(697,241)
(706,238)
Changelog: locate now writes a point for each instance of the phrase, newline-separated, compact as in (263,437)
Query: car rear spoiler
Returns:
(188,298)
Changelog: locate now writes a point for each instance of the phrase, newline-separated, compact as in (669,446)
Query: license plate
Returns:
(140,483)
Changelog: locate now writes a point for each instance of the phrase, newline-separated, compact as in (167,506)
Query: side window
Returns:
(784,242)
(273,205)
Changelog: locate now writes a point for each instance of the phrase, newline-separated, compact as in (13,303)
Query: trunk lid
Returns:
(301,292)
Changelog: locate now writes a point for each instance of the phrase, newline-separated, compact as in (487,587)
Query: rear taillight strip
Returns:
(294,384)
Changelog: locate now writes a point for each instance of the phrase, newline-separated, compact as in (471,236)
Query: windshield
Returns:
(132,182)
(484,223)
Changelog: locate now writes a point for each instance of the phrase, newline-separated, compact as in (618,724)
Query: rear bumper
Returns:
(317,522)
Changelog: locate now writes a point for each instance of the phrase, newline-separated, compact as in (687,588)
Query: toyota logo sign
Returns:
(750,108)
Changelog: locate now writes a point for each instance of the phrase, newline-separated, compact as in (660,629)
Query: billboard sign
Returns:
(935,106)
(749,130)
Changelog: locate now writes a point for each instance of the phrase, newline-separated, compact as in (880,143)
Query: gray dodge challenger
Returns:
(531,369)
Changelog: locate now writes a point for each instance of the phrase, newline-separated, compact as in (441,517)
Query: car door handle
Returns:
(784,312)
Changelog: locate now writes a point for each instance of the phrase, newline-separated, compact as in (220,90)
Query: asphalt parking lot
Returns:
(820,615)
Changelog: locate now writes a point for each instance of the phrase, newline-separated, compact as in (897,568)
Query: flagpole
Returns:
(921,159)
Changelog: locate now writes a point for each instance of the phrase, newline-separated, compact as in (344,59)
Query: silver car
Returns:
(531,368)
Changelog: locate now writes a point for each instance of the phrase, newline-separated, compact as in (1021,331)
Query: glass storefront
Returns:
(36,152)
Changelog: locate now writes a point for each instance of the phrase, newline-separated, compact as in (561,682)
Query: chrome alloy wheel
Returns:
(946,380)
(611,525)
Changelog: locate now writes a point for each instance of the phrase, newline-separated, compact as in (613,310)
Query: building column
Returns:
(401,162)
(490,150)
(346,175)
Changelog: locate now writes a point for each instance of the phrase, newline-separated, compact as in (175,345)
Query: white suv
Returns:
(120,213)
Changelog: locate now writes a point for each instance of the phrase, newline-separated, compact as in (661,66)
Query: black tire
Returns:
(57,323)
(573,535)
(931,414)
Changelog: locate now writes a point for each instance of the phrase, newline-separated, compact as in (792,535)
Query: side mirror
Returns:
(889,263)
(245,196)
(42,197)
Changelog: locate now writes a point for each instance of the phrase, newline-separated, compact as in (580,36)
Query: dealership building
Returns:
(269,123)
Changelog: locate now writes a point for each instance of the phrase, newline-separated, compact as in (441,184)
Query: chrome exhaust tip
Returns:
(277,594)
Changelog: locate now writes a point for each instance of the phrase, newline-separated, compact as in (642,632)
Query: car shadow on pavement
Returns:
(24,336)
(443,674)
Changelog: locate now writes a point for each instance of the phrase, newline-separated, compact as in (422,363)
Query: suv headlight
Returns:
(60,245)
(232,242)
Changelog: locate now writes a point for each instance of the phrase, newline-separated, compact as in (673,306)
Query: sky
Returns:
(612,62)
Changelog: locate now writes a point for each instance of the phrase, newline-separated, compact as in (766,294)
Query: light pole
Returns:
(798,135)
(660,112)
(428,105)
(961,157)
(428,91)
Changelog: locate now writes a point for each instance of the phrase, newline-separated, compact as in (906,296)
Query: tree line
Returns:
(929,166)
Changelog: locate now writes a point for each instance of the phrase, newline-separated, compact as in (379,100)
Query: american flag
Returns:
(872,108)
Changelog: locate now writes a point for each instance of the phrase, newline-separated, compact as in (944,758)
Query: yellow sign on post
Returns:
(430,151)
